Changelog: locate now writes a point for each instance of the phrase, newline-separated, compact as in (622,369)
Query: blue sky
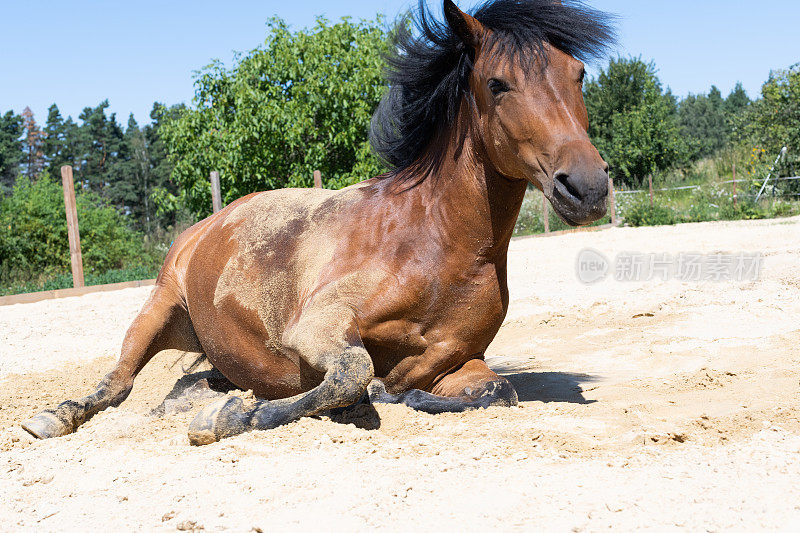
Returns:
(79,52)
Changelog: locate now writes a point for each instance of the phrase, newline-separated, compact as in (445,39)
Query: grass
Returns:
(64,281)
(711,200)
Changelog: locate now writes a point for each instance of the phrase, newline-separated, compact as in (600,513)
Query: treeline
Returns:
(127,166)
(643,129)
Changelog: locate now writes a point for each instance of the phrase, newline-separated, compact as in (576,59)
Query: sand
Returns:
(654,404)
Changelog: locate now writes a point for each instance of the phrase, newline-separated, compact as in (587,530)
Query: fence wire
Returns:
(693,187)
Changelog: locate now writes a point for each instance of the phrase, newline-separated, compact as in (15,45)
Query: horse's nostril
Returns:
(563,179)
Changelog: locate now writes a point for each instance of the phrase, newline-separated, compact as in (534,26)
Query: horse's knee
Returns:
(472,376)
(349,377)
(344,360)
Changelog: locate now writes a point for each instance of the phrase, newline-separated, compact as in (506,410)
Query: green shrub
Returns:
(747,209)
(744,210)
(642,214)
(784,209)
(33,235)
(699,212)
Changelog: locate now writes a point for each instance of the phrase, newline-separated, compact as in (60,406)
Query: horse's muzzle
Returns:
(579,197)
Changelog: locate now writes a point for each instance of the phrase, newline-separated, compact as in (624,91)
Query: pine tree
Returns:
(134,184)
(60,145)
(99,142)
(161,167)
(10,150)
(737,100)
(704,122)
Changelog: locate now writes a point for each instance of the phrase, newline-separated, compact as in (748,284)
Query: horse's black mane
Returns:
(428,71)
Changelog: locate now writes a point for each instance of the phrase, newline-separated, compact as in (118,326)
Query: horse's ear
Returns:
(466,27)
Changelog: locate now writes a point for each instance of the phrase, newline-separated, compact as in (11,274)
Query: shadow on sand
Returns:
(192,388)
(551,386)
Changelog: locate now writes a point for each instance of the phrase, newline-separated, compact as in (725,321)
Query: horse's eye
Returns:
(583,75)
(497,86)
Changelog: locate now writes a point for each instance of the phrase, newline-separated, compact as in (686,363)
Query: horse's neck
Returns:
(474,206)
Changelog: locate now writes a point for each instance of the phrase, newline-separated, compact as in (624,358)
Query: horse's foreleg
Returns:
(472,386)
(162,323)
(342,357)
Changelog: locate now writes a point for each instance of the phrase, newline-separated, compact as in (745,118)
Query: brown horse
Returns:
(390,290)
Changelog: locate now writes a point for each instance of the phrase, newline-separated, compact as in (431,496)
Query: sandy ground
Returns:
(656,404)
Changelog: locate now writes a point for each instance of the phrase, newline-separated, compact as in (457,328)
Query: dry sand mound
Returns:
(644,404)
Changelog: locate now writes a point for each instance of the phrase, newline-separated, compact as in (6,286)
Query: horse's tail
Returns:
(192,367)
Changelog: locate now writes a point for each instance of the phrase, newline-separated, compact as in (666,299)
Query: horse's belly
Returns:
(239,302)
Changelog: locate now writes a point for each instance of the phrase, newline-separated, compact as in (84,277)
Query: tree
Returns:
(99,144)
(32,144)
(299,103)
(10,150)
(709,121)
(162,184)
(61,140)
(737,106)
(704,121)
(737,101)
(141,169)
(129,173)
(773,121)
(633,121)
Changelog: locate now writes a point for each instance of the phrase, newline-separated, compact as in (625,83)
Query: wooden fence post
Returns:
(735,196)
(216,194)
(72,226)
(612,200)
(650,182)
(317,179)
(545,214)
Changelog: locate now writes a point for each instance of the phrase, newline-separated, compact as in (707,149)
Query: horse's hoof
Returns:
(219,420)
(46,425)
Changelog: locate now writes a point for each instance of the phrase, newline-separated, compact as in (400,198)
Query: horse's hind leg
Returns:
(162,323)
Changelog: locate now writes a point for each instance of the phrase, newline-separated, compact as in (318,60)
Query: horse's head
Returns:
(530,118)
